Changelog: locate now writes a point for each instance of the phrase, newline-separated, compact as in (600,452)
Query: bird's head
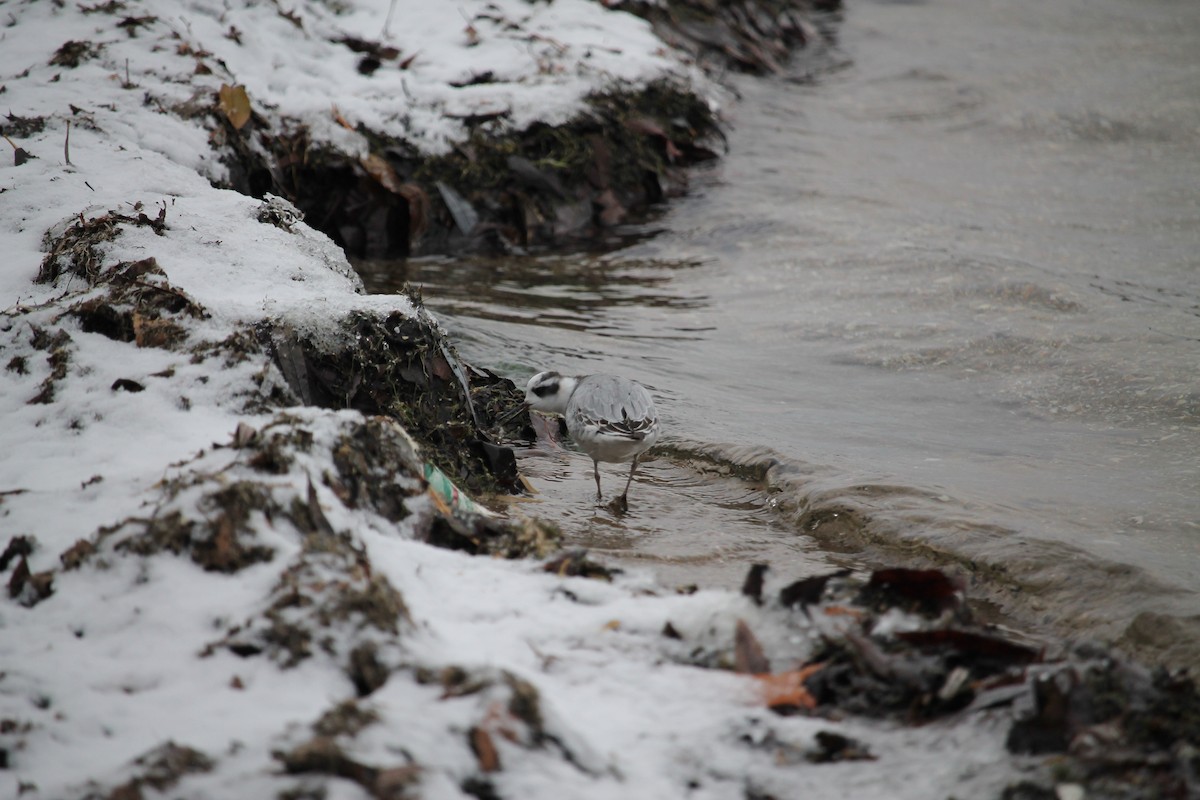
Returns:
(549,392)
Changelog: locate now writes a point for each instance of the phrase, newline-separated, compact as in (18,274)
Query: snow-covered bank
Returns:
(222,593)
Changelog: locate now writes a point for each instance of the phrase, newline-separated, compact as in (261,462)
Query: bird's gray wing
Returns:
(613,406)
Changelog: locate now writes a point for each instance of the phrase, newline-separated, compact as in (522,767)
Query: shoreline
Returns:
(219,491)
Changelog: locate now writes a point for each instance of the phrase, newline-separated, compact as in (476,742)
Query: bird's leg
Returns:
(632,469)
(596,472)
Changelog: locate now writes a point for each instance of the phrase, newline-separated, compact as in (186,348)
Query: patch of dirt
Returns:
(510,708)
(71,54)
(75,250)
(328,594)
(17,127)
(323,756)
(137,302)
(223,542)
(59,357)
(347,718)
(159,770)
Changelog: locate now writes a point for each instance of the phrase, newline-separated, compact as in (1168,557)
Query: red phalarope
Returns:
(610,418)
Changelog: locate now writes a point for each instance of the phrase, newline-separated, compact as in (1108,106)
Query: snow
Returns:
(126,654)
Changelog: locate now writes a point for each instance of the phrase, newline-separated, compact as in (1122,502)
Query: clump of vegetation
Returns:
(401,366)
(497,190)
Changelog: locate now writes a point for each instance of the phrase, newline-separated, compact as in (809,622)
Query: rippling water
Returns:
(941,303)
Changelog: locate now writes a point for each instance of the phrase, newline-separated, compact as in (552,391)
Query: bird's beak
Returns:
(510,416)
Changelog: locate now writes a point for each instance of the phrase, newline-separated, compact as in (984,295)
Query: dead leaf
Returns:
(151,332)
(16,581)
(648,127)
(786,689)
(18,547)
(484,749)
(340,120)
(843,611)
(612,213)
(418,209)
(234,103)
(30,588)
(244,435)
(748,654)
(379,169)
(76,554)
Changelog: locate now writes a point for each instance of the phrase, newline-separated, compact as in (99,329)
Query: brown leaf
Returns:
(244,435)
(30,588)
(440,367)
(648,127)
(76,554)
(340,120)
(150,332)
(786,689)
(484,749)
(418,209)
(612,213)
(394,781)
(16,581)
(18,546)
(747,652)
(843,611)
(379,169)
(234,103)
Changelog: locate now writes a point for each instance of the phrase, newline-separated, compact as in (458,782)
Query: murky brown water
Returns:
(951,291)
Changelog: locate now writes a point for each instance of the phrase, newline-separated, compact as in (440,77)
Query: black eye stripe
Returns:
(545,389)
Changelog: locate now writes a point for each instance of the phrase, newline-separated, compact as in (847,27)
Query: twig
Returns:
(67,144)
(387,22)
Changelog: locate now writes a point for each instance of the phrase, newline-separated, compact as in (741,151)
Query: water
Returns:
(941,305)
